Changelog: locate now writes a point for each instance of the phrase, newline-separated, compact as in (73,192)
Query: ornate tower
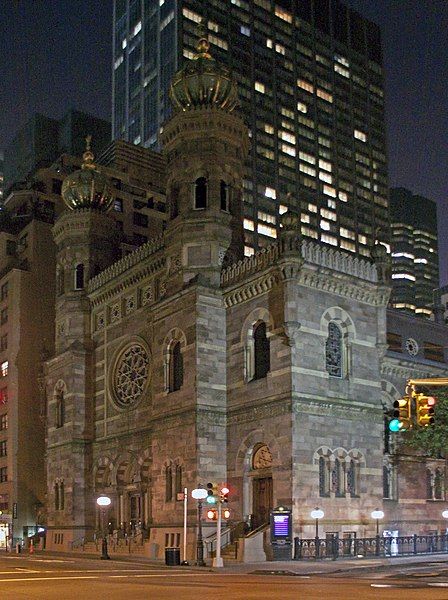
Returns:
(85,244)
(205,144)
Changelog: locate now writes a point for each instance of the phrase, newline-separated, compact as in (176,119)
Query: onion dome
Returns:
(87,188)
(202,82)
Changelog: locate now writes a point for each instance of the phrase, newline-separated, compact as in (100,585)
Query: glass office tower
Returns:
(415,257)
(310,82)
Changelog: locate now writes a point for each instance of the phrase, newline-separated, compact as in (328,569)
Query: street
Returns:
(73,578)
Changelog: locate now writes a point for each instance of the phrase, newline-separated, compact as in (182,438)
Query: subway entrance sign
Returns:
(281,533)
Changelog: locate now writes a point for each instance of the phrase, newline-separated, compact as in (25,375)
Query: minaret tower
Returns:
(85,244)
(205,144)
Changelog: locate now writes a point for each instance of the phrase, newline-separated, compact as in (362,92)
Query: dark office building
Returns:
(310,82)
(42,139)
(415,258)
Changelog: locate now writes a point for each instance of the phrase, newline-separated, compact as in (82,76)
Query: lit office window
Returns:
(324,95)
(305,85)
(288,149)
(270,193)
(282,14)
(249,225)
(329,239)
(309,158)
(403,276)
(245,30)
(280,49)
(342,71)
(323,164)
(360,135)
(192,16)
(260,87)
(267,230)
(4,368)
(248,251)
(301,107)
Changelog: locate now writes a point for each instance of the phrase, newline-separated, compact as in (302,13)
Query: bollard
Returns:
(31,546)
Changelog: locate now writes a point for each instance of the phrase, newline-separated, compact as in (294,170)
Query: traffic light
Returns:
(212,514)
(212,493)
(224,494)
(226,514)
(425,408)
(401,415)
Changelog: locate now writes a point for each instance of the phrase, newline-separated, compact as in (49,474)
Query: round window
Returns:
(131,375)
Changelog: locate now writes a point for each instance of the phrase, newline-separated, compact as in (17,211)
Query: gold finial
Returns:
(203,44)
(88,155)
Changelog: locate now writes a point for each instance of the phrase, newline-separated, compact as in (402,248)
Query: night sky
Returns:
(56,54)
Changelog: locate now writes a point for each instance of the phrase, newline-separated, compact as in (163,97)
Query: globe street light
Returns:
(377,515)
(199,494)
(317,514)
(103,502)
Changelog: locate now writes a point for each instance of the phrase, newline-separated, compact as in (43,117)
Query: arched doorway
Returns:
(262,492)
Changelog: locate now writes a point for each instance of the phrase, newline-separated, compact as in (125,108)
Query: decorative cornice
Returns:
(126,263)
(311,252)
(407,369)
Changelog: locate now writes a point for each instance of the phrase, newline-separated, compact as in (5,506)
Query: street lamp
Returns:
(317,514)
(377,515)
(199,494)
(103,502)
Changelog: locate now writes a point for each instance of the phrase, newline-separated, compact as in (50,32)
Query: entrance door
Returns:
(135,512)
(262,500)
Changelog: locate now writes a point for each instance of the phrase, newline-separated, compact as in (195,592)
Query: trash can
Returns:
(172,557)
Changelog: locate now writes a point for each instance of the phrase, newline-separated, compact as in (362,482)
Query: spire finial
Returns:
(203,44)
(88,155)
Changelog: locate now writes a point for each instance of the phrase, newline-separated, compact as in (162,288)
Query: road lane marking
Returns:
(438,584)
(45,578)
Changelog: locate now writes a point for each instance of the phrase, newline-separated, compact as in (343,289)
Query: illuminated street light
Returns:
(199,494)
(317,514)
(104,502)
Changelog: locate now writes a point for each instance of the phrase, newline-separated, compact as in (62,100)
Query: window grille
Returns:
(333,351)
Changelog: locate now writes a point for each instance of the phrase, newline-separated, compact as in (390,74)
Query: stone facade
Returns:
(184,363)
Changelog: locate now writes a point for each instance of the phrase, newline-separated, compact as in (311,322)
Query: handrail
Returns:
(259,529)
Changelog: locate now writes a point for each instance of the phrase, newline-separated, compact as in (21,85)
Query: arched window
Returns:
(178,480)
(174,203)
(352,479)
(200,192)
(324,476)
(334,350)
(56,496)
(429,484)
(168,483)
(338,478)
(176,368)
(61,496)
(60,408)
(438,485)
(224,195)
(262,359)
(79,277)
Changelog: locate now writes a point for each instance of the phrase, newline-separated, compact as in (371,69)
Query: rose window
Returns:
(131,375)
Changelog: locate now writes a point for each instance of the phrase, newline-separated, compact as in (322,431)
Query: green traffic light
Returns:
(395,425)
(211,500)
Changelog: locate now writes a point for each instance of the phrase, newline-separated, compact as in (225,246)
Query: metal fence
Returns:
(334,548)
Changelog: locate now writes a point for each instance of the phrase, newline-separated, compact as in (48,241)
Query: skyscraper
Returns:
(415,257)
(310,82)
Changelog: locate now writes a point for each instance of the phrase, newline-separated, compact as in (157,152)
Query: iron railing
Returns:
(334,547)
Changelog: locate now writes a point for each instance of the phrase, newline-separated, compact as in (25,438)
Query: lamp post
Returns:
(377,515)
(317,514)
(199,494)
(445,516)
(103,502)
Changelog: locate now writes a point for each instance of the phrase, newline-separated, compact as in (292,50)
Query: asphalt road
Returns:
(40,577)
